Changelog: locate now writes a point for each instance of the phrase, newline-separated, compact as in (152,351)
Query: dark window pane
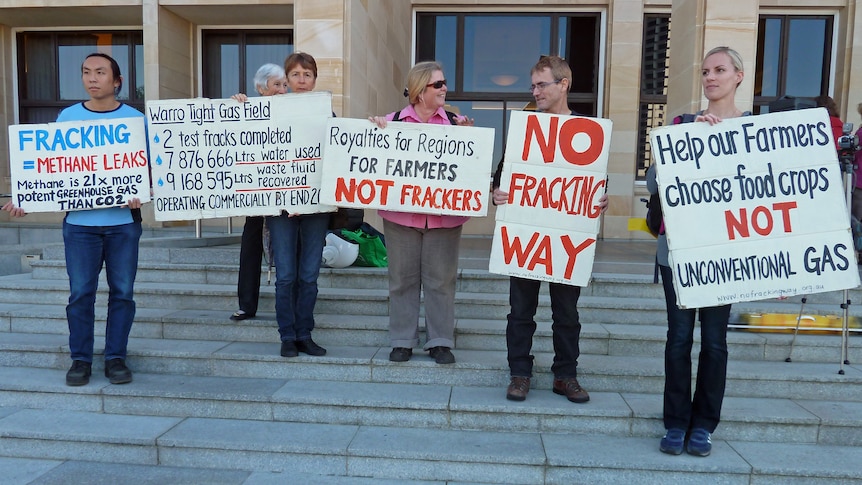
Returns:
(445,45)
(806,55)
(231,59)
(768,57)
(38,69)
(582,53)
(522,39)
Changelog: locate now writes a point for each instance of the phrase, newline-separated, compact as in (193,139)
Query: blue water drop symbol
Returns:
(161,182)
(156,139)
(158,159)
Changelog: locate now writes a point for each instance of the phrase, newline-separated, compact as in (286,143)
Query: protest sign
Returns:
(754,207)
(410,167)
(75,165)
(555,173)
(221,158)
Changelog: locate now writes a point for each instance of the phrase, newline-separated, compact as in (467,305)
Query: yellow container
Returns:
(786,323)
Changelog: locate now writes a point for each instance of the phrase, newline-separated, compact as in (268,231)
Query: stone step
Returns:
(469,280)
(797,420)
(483,368)
(470,334)
(22,289)
(34,471)
(397,453)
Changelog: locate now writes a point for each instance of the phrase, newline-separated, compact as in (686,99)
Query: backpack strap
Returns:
(453,118)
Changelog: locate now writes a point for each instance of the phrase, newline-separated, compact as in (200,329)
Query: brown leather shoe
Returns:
(518,388)
(569,387)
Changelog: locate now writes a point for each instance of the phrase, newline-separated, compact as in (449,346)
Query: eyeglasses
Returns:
(437,84)
(298,74)
(542,85)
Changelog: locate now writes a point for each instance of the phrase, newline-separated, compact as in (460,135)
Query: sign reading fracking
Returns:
(221,158)
(555,173)
(77,165)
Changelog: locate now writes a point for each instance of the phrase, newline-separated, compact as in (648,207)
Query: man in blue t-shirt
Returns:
(94,237)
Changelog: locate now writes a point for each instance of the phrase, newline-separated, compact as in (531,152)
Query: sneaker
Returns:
(288,349)
(673,441)
(569,387)
(699,442)
(400,354)
(79,373)
(117,372)
(442,355)
(518,388)
(309,347)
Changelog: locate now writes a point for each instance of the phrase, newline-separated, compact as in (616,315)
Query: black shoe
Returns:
(241,315)
(309,347)
(117,372)
(79,373)
(288,349)
(400,354)
(442,355)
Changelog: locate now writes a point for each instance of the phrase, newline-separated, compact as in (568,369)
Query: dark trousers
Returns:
(566,327)
(250,259)
(680,410)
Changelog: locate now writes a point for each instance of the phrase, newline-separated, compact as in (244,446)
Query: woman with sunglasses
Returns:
(422,248)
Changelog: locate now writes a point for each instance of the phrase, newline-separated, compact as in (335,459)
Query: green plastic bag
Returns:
(372,250)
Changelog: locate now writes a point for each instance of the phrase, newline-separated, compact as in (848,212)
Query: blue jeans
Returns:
(566,327)
(297,245)
(87,248)
(704,410)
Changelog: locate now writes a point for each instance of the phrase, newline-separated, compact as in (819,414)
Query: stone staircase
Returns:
(213,402)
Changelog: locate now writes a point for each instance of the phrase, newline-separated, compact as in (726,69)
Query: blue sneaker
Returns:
(673,441)
(699,442)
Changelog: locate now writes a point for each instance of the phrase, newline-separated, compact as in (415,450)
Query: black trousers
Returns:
(566,327)
(250,259)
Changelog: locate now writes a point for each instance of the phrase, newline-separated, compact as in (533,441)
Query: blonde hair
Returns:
(418,79)
(735,58)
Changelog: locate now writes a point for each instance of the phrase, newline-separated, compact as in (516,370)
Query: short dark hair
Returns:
(305,61)
(115,69)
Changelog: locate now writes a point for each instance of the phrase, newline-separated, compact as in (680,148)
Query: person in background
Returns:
(834,120)
(856,199)
(686,418)
(297,243)
(94,237)
(551,79)
(422,249)
(268,81)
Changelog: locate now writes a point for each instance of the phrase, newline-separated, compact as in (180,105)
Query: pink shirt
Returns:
(412,219)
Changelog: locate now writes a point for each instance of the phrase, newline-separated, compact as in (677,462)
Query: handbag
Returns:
(372,249)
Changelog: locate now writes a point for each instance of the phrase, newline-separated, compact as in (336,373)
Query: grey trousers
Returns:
(422,260)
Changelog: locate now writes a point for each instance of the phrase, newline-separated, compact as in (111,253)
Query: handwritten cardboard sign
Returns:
(221,158)
(754,208)
(555,173)
(75,165)
(412,167)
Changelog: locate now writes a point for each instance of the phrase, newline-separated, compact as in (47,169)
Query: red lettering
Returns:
(563,137)
(514,247)
(548,147)
(572,127)
(573,252)
(365,190)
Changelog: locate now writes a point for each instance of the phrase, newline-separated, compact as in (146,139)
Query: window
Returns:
(653,88)
(486,85)
(49,76)
(230,59)
(793,58)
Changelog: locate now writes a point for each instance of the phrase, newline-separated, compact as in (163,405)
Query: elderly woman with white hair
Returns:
(268,81)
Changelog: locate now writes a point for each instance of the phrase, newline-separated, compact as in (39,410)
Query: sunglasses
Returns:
(437,84)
